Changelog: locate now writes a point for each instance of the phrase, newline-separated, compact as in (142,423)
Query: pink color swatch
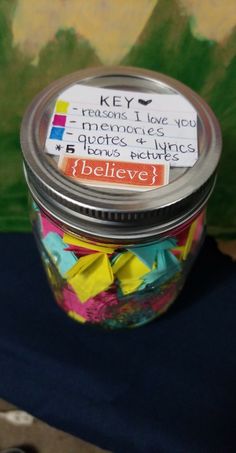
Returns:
(59,120)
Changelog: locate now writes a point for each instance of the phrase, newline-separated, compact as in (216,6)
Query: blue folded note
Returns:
(63,260)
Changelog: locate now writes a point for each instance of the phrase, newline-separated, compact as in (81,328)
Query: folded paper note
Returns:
(183,250)
(129,269)
(90,275)
(72,240)
(189,241)
(49,227)
(77,317)
(73,304)
(55,247)
(148,253)
(167,266)
(141,266)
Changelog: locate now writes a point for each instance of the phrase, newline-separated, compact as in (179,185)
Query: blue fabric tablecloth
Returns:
(167,387)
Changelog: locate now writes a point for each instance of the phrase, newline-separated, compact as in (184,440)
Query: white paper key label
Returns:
(123,126)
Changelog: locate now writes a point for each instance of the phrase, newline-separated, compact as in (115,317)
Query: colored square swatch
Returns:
(61,107)
(59,120)
(57,133)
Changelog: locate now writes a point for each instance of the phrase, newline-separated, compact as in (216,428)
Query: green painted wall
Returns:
(166,43)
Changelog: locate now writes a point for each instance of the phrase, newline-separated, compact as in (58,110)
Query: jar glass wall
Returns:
(116,286)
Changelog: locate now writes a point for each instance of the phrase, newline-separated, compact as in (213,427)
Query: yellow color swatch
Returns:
(62,107)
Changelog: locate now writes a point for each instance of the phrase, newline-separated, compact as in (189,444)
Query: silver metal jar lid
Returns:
(118,215)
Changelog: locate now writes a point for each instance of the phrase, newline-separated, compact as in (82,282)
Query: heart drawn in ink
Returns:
(143,102)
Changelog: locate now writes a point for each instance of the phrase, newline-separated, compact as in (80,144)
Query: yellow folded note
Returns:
(90,275)
(76,316)
(129,286)
(129,269)
(72,240)
(189,241)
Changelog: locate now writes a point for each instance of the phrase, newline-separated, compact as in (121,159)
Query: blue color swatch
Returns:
(57,133)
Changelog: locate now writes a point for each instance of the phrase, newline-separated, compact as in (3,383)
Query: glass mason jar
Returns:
(117,255)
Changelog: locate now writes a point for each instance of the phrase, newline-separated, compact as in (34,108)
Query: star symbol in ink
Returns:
(59,147)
